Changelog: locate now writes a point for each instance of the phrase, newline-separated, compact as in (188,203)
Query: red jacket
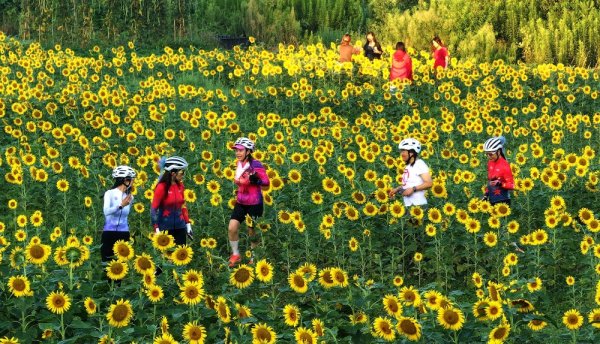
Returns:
(499,170)
(168,211)
(401,66)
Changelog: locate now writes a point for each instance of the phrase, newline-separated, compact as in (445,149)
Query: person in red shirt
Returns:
(347,50)
(401,64)
(440,54)
(168,211)
(500,177)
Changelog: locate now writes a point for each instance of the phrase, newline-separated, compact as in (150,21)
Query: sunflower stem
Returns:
(62,326)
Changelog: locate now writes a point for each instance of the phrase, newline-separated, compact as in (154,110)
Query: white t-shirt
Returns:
(115,218)
(412,177)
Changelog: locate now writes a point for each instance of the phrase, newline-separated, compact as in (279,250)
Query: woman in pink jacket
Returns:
(250,177)
(401,64)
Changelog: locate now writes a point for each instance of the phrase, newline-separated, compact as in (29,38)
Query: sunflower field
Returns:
(338,260)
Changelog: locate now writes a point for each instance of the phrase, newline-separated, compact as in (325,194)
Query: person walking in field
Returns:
(117,204)
(250,177)
(401,64)
(168,211)
(499,174)
(416,177)
(440,54)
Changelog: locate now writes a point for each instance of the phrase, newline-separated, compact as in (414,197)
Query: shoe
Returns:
(234,259)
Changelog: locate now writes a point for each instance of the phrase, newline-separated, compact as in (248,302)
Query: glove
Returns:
(254,179)
(190,233)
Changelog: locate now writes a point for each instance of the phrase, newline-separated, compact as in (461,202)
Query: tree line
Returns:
(535,31)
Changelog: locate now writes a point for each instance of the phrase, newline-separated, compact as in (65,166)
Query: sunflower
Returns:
(398,281)
(572,319)
(382,328)
(409,327)
(340,277)
(20,286)
(37,253)
(117,270)
(318,327)
(163,241)
(62,185)
(58,302)
(182,255)
(264,271)
(409,296)
(358,318)
(90,305)
(143,264)
(243,311)
(392,305)
(397,209)
(154,293)
(194,333)
(305,336)
(434,215)
(123,250)
(264,334)
(165,338)
(297,282)
(451,318)
(326,278)
(490,239)
(291,314)
(222,309)
(191,293)
(494,310)
(193,276)
(353,244)
(11,340)
(433,299)
(534,285)
(522,305)
(585,215)
(149,278)
(594,317)
(472,225)
(500,333)
(120,313)
(241,277)
(536,324)
(479,309)
(316,197)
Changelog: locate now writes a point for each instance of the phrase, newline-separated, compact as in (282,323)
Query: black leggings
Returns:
(179,234)
(109,238)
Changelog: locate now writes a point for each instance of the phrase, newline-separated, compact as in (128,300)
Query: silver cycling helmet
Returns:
(175,163)
(244,142)
(410,143)
(123,171)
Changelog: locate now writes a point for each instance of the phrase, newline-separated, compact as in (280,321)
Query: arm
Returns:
(508,182)
(109,208)
(427,183)
(184,211)
(159,193)
(260,176)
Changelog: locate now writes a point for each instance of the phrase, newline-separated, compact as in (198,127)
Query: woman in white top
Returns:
(117,204)
(416,177)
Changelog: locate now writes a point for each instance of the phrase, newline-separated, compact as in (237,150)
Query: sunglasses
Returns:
(490,153)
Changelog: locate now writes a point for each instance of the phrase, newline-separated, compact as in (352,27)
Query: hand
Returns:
(190,233)
(126,201)
(495,182)
(254,179)
(156,230)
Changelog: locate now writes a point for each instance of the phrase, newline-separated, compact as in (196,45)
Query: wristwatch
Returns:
(414,189)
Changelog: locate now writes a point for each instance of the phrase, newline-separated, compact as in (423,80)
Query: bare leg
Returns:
(234,230)
(252,235)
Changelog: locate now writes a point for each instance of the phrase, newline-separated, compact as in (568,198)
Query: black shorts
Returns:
(241,210)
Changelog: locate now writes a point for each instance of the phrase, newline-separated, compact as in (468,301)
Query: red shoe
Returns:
(234,259)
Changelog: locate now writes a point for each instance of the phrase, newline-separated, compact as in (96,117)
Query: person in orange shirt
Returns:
(347,50)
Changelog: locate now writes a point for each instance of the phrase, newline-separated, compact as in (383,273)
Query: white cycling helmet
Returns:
(410,143)
(123,171)
(175,163)
(494,143)
(244,142)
